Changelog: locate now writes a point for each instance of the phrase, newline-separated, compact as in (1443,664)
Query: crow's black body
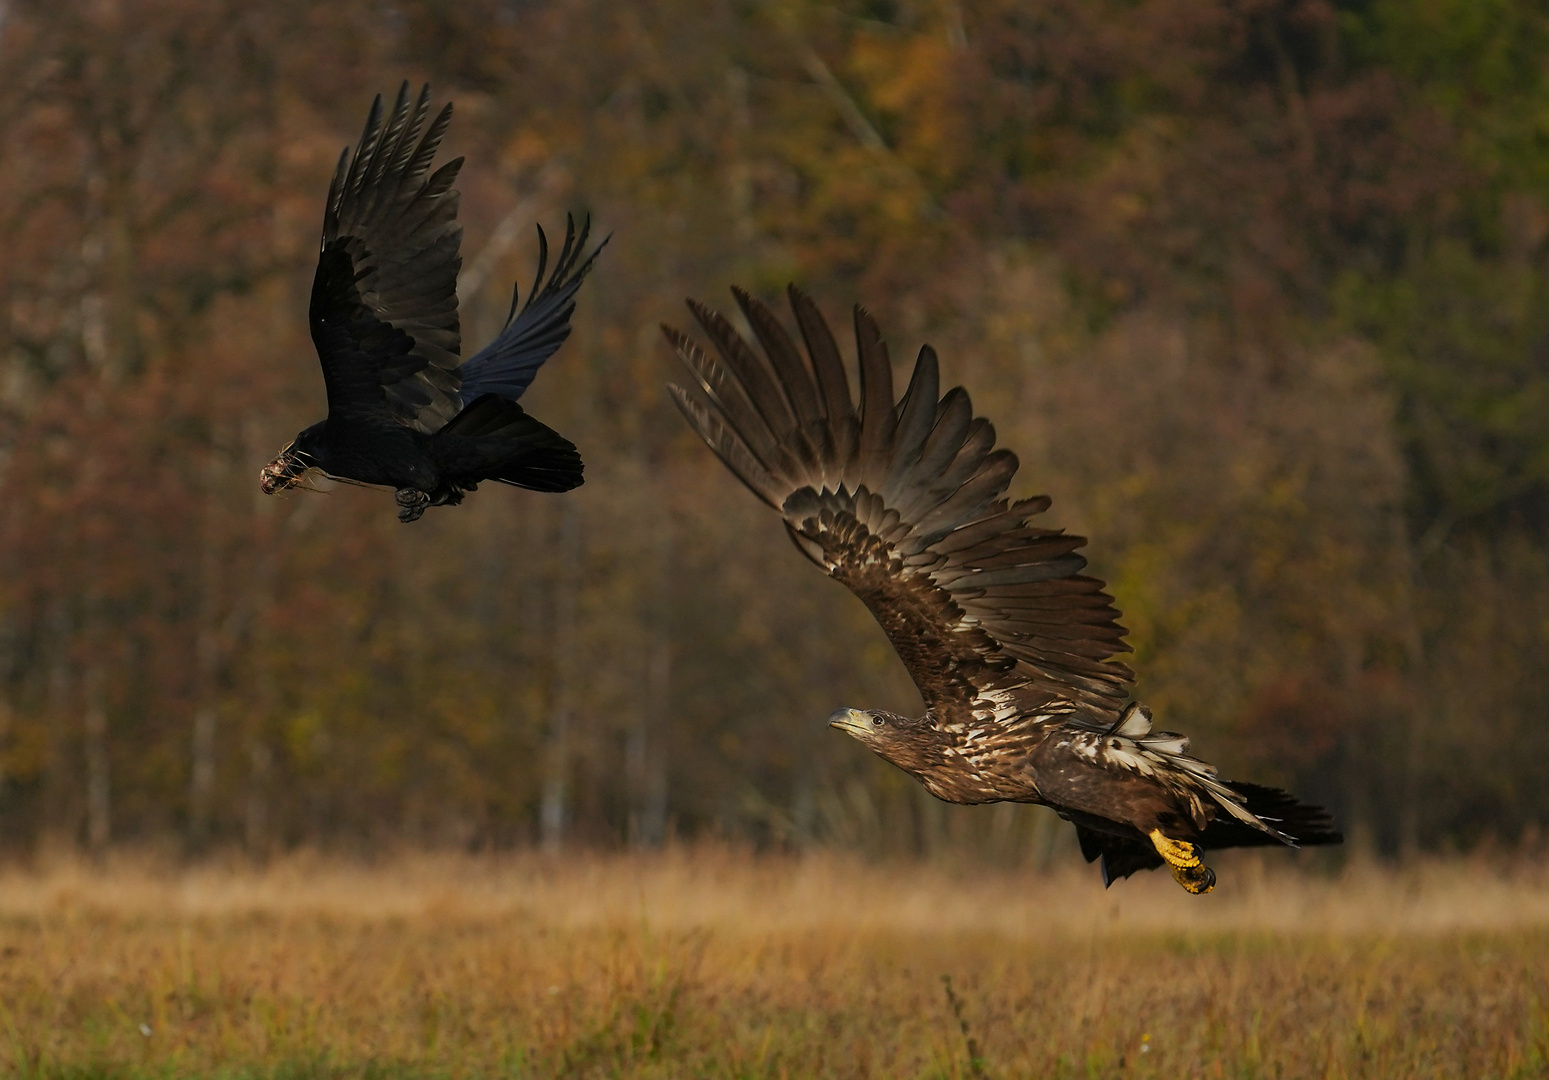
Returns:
(403,411)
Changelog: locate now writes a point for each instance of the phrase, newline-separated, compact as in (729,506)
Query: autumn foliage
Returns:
(1255,288)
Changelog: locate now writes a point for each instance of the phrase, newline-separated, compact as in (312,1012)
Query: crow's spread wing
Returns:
(384,301)
(506,366)
(902,502)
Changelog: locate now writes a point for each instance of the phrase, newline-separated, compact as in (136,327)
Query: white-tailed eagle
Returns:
(1011,646)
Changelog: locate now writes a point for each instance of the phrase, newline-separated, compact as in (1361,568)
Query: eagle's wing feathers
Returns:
(384,299)
(904,502)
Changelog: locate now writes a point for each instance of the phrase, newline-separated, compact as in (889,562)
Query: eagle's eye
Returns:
(877,721)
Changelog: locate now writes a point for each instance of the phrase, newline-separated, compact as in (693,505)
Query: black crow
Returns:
(402,411)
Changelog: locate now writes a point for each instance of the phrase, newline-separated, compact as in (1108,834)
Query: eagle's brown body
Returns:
(1010,645)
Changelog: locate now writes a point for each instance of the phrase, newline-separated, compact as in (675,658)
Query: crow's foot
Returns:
(412,503)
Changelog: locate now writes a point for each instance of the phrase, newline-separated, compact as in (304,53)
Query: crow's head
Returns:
(291,464)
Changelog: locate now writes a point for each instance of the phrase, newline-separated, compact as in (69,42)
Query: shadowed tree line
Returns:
(1255,288)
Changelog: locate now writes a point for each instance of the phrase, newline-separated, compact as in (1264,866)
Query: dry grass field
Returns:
(707,963)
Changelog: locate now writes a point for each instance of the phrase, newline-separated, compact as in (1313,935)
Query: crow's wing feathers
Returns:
(506,366)
(384,300)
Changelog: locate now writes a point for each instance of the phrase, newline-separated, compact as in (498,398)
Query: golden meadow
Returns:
(711,962)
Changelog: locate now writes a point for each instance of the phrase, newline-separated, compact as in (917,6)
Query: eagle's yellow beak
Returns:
(851,720)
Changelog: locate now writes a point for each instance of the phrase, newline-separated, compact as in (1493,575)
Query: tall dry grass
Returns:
(708,962)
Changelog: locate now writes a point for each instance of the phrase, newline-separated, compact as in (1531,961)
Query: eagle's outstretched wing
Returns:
(506,366)
(903,503)
(384,300)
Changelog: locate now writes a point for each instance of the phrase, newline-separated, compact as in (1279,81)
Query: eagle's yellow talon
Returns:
(1182,859)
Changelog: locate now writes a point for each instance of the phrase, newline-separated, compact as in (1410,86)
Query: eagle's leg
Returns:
(1182,859)
(412,503)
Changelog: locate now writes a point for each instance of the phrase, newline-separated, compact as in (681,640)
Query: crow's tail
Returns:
(495,439)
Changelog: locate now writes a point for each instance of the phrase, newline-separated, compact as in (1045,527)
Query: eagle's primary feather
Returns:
(1012,647)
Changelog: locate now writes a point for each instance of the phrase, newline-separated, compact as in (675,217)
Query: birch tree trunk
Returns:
(1416,735)
(262,702)
(201,773)
(8,644)
(99,806)
(647,756)
(554,805)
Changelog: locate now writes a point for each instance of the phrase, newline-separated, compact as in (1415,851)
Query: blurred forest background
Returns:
(1255,288)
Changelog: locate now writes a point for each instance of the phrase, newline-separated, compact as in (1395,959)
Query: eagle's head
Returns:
(910,743)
